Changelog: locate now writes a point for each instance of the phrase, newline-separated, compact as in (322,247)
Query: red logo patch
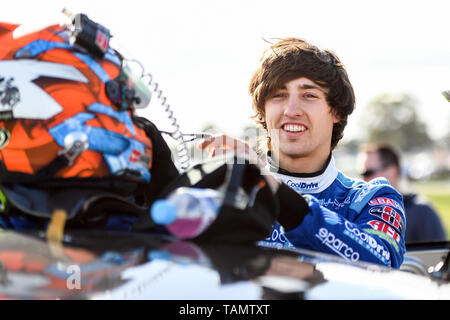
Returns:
(385,228)
(134,156)
(102,41)
(388,215)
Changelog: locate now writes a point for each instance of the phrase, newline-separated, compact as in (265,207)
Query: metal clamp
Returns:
(75,143)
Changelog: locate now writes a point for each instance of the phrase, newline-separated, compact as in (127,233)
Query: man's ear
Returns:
(394,170)
(391,172)
(336,118)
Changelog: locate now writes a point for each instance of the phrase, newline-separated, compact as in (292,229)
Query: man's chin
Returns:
(290,153)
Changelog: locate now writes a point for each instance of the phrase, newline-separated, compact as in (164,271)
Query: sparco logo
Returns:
(303,185)
(337,245)
(366,241)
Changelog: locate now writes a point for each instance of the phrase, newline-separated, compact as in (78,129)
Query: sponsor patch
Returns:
(137,157)
(385,228)
(387,202)
(278,237)
(337,245)
(303,186)
(389,215)
(385,237)
(367,242)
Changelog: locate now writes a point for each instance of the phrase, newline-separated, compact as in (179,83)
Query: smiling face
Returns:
(300,124)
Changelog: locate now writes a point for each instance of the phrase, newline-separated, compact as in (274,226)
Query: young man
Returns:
(382,160)
(302,96)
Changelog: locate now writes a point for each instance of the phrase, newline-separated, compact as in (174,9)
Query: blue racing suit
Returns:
(355,220)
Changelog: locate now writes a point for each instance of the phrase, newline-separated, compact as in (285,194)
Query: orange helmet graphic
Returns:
(67,104)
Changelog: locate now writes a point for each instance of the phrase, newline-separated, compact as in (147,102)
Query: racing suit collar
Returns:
(306,182)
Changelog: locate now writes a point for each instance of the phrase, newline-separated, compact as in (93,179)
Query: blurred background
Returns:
(203,53)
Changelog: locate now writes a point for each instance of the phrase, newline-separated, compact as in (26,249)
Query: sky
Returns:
(203,53)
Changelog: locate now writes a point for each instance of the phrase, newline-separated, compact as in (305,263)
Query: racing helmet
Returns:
(67,103)
(69,135)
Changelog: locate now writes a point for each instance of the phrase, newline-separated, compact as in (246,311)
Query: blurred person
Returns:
(302,96)
(422,221)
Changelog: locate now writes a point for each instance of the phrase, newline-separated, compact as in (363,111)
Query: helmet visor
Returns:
(133,80)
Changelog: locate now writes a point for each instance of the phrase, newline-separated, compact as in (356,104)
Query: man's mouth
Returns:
(294,128)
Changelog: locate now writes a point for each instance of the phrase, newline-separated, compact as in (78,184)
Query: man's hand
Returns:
(221,144)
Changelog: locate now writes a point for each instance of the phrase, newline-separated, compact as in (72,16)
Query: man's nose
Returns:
(293,107)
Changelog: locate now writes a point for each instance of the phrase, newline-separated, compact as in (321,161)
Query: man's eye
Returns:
(279,95)
(310,96)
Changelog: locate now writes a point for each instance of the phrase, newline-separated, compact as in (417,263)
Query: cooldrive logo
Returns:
(303,186)
(336,245)
(277,239)
(367,242)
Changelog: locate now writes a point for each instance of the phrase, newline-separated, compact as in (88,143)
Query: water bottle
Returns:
(187,212)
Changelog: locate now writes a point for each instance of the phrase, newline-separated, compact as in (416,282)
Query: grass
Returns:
(441,203)
(439,195)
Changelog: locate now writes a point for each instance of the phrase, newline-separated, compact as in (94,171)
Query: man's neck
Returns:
(301,164)
(314,182)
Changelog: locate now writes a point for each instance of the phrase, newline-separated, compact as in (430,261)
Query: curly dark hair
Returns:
(292,58)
